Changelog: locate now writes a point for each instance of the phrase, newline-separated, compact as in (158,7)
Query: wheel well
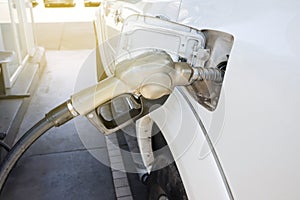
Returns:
(164,179)
(158,140)
(160,145)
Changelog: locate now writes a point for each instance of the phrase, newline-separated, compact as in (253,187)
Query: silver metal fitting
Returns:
(209,74)
(72,109)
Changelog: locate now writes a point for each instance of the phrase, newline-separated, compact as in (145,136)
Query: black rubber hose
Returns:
(55,117)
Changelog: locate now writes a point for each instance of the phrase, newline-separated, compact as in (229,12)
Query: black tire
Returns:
(164,181)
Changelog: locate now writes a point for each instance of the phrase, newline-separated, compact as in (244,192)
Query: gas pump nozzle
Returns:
(151,75)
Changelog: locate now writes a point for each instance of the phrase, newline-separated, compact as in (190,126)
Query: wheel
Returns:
(164,182)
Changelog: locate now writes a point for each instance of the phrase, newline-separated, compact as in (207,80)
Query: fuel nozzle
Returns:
(151,75)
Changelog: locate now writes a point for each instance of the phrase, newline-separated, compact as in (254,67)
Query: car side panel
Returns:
(258,142)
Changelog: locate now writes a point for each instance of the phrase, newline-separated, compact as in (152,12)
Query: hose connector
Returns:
(61,114)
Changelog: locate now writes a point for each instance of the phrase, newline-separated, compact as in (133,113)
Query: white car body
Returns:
(254,130)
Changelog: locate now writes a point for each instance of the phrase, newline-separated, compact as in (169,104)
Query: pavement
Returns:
(66,35)
(72,161)
(58,165)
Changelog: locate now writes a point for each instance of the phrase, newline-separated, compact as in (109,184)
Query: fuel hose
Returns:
(56,117)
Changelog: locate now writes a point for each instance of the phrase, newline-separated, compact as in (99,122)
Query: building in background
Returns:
(20,60)
(16,35)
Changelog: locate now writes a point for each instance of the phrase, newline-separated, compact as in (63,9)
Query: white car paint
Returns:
(259,147)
